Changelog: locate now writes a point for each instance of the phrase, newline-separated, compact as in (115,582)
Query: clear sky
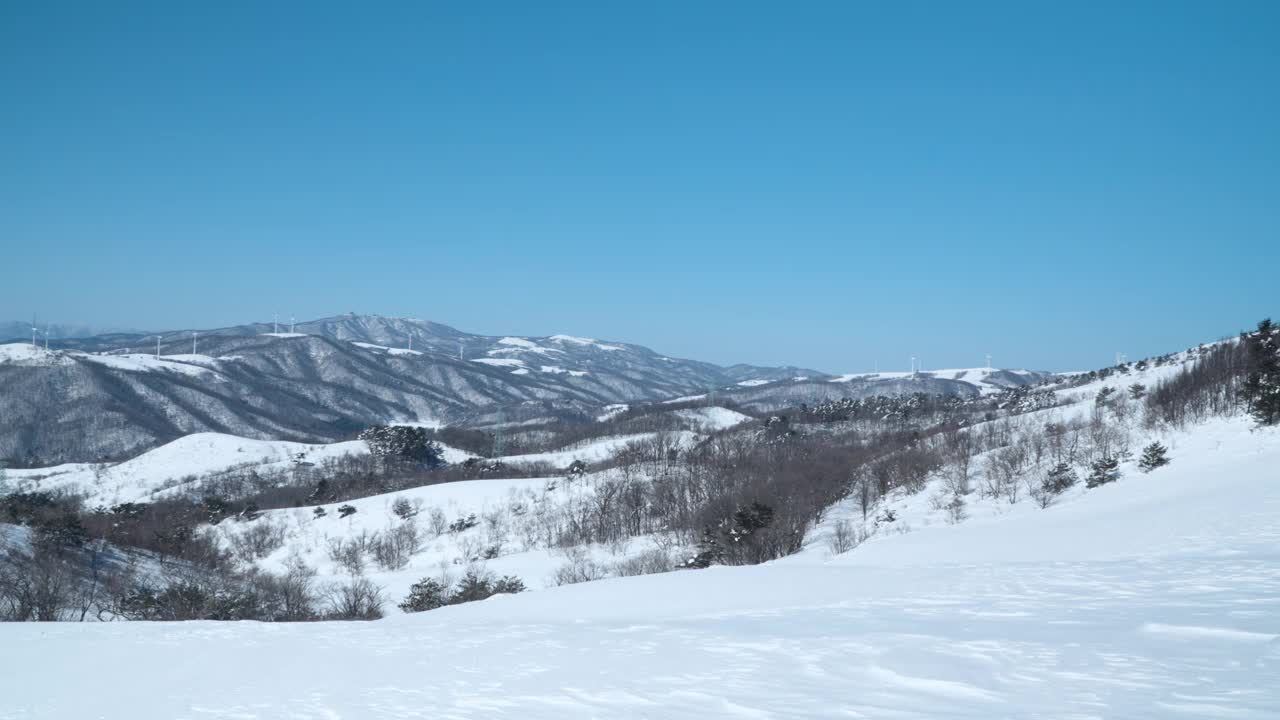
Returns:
(824,184)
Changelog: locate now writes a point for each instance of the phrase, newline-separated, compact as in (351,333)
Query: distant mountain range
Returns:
(108,395)
(22,331)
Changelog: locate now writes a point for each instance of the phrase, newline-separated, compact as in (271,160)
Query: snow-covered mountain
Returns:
(112,396)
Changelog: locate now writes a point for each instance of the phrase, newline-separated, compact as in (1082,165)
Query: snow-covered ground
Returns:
(589,342)
(987,380)
(711,419)
(31,355)
(165,469)
(186,364)
(1155,597)
(151,474)
(599,449)
(506,513)
(388,350)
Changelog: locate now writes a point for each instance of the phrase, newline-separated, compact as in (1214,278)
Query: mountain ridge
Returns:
(112,395)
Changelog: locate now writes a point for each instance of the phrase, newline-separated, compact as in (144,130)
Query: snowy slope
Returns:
(598,449)
(155,472)
(141,478)
(504,509)
(986,380)
(711,419)
(1217,492)
(26,354)
(1164,602)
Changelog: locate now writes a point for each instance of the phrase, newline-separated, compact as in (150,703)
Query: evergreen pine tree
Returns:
(1103,471)
(1261,388)
(1153,456)
(1061,477)
(426,594)
(474,586)
(709,551)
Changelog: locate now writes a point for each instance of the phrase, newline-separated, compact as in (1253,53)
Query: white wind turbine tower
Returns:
(290,324)
(275,323)
(988,361)
(46,336)
(913,365)
(34,330)
(157,347)
(194,334)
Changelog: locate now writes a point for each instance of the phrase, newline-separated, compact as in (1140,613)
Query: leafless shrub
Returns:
(579,568)
(437,521)
(470,549)
(845,537)
(649,562)
(955,508)
(258,540)
(393,548)
(347,554)
(357,599)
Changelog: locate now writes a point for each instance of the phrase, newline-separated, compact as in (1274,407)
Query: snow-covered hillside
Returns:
(167,469)
(1157,596)
(150,474)
(496,523)
(598,449)
(110,397)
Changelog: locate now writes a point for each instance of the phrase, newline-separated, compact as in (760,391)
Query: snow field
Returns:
(1072,613)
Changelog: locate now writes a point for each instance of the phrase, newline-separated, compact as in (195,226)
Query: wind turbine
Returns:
(46,336)
(34,330)
(157,347)
(988,361)
(194,334)
(290,324)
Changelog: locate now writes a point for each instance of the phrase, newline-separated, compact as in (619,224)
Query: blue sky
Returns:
(820,184)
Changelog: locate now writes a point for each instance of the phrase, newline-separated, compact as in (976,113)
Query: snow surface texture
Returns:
(1155,597)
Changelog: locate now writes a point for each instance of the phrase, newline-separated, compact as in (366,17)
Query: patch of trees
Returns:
(432,593)
(403,443)
(1260,389)
(1210,385)
(928,408)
